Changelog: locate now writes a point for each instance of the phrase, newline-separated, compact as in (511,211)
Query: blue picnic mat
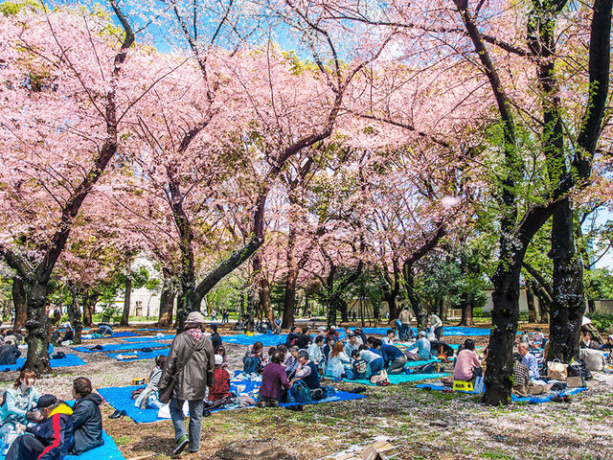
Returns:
(129,356)
(107,451)
(268,340)
(121,398)
(447,331)
(149,337)
(67,361)
(116,335)
(537,399)
(122,347)
(395,379)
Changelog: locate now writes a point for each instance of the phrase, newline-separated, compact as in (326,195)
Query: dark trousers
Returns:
(25,447)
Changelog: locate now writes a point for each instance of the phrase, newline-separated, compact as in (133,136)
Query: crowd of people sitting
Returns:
(43,426)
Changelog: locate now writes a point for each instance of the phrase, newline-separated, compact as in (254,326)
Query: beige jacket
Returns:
(197,374)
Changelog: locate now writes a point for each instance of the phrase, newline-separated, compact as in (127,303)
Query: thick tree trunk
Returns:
(37,339)
(125,319)
(568,305)
(167,300)
(498,378)
(19,303)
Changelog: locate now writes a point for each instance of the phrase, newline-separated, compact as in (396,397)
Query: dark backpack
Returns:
(301,393)
(429,368)
(58,355)
(317,394)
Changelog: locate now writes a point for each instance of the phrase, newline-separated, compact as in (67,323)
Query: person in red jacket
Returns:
(52,433)
(221,387)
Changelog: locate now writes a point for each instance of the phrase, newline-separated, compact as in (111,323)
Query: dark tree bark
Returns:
(532,318)
(127,300)
(19,303)
(74,311)
(90,298)
(568,305)
(392,289)
(167,299)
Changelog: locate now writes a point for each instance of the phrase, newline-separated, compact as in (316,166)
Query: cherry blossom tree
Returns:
(70,78)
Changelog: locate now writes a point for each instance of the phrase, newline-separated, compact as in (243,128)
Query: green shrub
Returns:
(601,321)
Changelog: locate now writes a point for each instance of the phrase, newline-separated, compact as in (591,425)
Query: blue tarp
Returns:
(149,337)
(115,335)
(122,347)
(67,361)
(121,398)
(130,356)
(403,378)
(268,340)
(538,399)
(107,451)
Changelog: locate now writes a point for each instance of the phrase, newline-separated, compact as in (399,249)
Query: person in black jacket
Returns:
(215,337)
(304,340)
(52,433)
(292,337)
(86,417)
(9,353)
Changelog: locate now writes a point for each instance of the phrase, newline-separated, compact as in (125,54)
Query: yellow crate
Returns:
(463,385)
(140,381)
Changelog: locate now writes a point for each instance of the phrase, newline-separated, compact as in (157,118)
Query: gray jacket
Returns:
(197,374)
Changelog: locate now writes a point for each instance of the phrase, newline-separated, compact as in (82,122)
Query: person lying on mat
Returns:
(423,349)
(466,362)
(18,401)
(86,417)
(52,432)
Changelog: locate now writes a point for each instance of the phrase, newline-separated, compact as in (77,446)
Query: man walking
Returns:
(192,362)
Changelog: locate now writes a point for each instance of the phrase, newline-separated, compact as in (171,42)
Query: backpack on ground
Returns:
(300,392)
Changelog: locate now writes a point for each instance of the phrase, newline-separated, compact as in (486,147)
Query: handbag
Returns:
(557,370)
(165,394)
(380,379)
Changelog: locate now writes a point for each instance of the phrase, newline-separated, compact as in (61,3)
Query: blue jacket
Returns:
(55,433)
(390,353)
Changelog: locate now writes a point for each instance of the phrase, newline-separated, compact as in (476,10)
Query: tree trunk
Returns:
(498,378)
(568,305)
(74,313)
(37,339)
(125,319)
(289,305)
(89,302)
(467,305)
(167,300)
(20,303)
(530,299)
(409,284)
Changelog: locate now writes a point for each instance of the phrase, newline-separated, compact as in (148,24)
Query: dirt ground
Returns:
(420,424)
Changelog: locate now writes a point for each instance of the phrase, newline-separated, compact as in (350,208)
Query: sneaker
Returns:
(274,403)
(261,404)
(182,443)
